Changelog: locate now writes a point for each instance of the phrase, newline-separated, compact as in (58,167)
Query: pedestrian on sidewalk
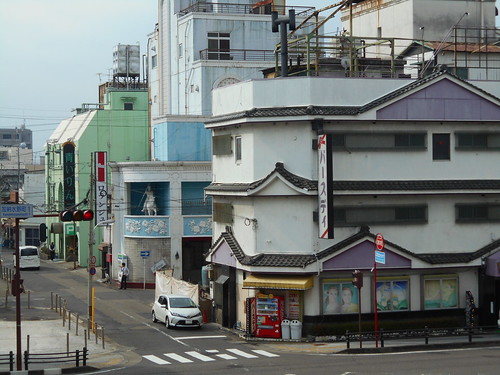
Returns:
(52,251)
(124,275)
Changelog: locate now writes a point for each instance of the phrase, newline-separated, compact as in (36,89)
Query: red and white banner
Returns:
(101,187)
(325,189)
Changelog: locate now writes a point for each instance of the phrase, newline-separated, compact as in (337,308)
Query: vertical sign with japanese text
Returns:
(325,188)
(69,174)
(101,188)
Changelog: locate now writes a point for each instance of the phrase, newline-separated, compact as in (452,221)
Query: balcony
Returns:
(261,7)
(237,55)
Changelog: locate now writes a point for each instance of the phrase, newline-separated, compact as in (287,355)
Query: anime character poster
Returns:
(392,295)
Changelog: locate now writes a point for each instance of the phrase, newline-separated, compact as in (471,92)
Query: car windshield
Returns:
(182,303)
(29,251)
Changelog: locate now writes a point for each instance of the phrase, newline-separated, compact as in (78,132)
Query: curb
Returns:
(415,348)
(52,371)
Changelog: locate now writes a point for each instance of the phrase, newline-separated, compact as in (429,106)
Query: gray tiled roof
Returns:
(302,260)
(418,185)
(297,181)
(312,110)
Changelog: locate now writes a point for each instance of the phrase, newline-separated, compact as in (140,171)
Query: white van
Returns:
(28,257)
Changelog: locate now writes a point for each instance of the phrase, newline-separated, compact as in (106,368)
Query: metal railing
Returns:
(237,55)
(64,357)
(467,55)
(8,359)
(209,7)
(424,334)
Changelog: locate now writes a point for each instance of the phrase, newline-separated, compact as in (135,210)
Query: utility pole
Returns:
(91,260)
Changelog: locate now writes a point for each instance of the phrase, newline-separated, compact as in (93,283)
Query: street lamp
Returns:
(17,276)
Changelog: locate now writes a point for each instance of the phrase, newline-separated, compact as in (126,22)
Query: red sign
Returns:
(379,241)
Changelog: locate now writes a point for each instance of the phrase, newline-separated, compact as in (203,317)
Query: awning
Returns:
(278,282)
(103,246)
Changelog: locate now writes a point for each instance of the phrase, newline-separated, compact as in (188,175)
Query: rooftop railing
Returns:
(209,7)
(237,55)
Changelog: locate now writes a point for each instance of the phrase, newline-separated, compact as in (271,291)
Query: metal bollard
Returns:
(347,339)
(96,333)
(52,300)
(77,318)
(102,336)
(67,344)
(64,317)
(85,334)
(69,320)
(426,335)
(29,299)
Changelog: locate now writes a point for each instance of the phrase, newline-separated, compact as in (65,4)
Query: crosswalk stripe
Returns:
(265,354)
(226,356)
(156,359)
(199,356)
(241,353)
(178,358)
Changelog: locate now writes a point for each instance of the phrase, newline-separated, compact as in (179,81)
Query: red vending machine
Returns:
(269,311)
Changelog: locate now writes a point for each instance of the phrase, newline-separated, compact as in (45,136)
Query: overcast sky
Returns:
(54,54)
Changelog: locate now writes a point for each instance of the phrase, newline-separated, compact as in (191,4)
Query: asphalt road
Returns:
(151,348)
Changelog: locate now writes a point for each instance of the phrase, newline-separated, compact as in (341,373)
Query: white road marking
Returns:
(178,358)
(156,359)
(265,354)
(200,356)
(226,356)
(200,337)
(156,329)
(241,353)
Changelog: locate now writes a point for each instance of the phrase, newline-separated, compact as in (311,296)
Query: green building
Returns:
(118,125)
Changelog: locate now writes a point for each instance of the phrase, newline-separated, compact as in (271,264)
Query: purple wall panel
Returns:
(223,255)
(443,100)
(362,256)
(492,265)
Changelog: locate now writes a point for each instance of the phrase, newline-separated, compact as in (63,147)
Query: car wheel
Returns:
(167,322)
(154,317)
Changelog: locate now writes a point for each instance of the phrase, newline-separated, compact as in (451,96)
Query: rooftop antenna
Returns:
(441,45)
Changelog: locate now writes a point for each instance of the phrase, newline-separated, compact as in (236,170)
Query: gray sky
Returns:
(56,52)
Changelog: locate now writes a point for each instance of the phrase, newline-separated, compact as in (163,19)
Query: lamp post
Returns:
(17,275)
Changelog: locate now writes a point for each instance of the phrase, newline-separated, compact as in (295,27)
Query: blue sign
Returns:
(17,211)
(145,253)
(380,257)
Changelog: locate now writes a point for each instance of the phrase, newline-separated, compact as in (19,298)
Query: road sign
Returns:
(16,211)
(145,253)
(379,241)
(70,229)
(92,271)
(380,257)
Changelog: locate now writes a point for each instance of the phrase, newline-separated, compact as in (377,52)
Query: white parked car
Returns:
(177,311)
(28,257)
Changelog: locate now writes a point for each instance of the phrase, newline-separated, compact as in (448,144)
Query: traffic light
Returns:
(76,215)
(357,279)
(43,232)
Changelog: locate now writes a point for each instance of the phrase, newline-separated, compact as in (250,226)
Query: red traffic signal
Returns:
(76,215)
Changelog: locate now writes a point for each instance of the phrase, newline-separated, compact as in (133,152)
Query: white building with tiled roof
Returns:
(414,161)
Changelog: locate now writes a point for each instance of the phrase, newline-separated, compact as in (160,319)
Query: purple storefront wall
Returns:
(362,256)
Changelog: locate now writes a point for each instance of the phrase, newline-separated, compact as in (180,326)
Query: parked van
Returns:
(28,257)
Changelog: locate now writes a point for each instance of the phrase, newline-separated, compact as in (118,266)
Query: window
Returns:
(392,295)
(474,213)
(218,46)
(339,297)
(477,141)
(440,147)
(4,155)
(221,145)
(355,216)
(154,61)
(7,136)
(379,141)
(440,292)
(180,51)
(237,147)
(128,106)
(32,237)
(223,213)
(409,140)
